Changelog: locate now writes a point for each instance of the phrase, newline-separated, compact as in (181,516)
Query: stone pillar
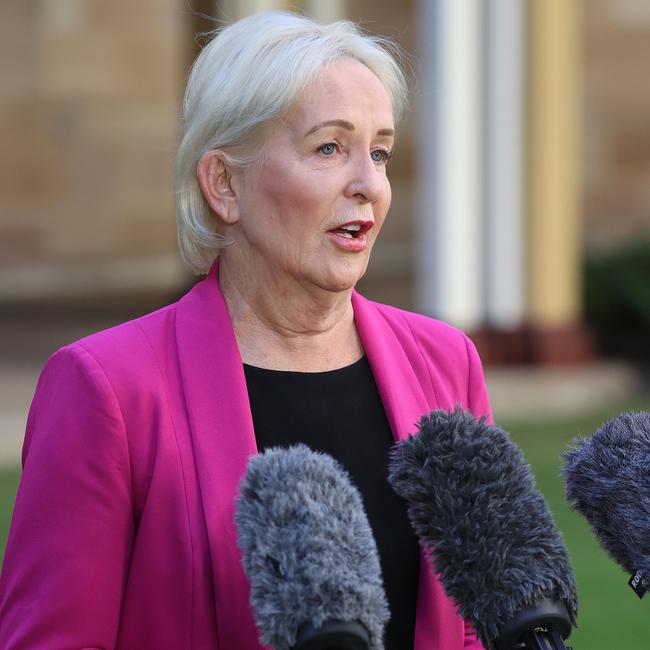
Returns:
(501,338)
(554,223)
(327,11)
(504,164)
(449,239)
(235,9)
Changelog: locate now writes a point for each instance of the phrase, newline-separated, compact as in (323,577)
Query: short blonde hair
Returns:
(246,78)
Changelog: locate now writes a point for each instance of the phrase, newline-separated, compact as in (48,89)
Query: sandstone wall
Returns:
(88,123)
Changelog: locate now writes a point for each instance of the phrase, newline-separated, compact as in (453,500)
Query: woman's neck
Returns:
(284,326)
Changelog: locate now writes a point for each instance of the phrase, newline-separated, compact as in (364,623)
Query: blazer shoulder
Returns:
(131,340)
(448,354)
(130,355)
(424,329)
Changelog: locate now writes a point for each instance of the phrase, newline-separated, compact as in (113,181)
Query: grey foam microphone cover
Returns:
(308,549)
(490,536)
(608,482)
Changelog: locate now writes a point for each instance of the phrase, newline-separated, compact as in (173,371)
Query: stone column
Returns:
(501,339)
(449,185)
(234,9)
(327,11)
(554,224)
(504,164)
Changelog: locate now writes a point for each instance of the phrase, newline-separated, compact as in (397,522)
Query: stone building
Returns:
(90,113)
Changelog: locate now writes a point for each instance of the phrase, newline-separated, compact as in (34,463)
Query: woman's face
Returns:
(312,206)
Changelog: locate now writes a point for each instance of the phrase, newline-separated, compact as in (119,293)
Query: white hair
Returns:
(243,80)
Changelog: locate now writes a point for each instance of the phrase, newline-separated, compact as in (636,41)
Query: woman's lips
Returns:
(351,239)
(353,244)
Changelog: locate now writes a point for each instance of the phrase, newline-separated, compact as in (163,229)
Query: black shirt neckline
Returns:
(302,373)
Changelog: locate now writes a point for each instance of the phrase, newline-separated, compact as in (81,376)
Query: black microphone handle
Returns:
(538,640)
(542,626)
(333,635)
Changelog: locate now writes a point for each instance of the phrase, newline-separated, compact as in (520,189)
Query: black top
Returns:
(339,412)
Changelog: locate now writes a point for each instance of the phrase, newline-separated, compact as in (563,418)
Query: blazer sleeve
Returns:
(479,405)
(68,550)
(478,401)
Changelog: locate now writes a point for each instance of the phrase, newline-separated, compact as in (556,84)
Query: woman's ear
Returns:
(215,176)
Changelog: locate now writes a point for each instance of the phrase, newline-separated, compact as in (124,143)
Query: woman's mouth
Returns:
(349,231)
(351,236)
(353,229)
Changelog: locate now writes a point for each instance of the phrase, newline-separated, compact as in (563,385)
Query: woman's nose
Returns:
(367,179)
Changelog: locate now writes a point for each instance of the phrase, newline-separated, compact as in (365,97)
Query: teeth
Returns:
(347,235)
(352,228)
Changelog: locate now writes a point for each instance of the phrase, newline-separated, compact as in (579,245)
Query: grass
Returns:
(9,477)
(611,617)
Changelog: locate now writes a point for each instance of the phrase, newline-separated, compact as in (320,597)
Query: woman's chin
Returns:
(339,280)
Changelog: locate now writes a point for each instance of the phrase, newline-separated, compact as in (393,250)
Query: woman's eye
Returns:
(328,149)
(381,155)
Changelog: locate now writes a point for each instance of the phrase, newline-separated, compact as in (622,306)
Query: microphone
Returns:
(309,554)
(491,539)
(607,481)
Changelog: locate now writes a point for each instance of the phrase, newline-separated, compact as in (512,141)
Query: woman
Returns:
(123,533)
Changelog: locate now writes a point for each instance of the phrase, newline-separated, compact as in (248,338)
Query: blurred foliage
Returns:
(617,300)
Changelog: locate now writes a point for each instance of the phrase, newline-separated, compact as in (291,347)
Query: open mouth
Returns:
(353,230)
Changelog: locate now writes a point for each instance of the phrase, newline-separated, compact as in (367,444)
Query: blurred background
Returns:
(521,210)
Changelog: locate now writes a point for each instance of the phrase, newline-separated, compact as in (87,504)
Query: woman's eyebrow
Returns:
(345,125)
(342,123)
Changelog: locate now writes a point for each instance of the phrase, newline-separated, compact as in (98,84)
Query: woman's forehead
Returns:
(344,93)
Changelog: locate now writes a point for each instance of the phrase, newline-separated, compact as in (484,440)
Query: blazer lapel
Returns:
(223,440)
(407,392)
(397,366)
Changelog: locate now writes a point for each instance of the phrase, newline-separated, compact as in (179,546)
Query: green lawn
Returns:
(611,617)
(8,485)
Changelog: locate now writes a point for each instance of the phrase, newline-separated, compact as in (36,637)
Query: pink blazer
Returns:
(123,535)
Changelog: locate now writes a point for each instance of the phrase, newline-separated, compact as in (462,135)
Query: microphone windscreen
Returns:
(490,536)
(308,549)
(608,482)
